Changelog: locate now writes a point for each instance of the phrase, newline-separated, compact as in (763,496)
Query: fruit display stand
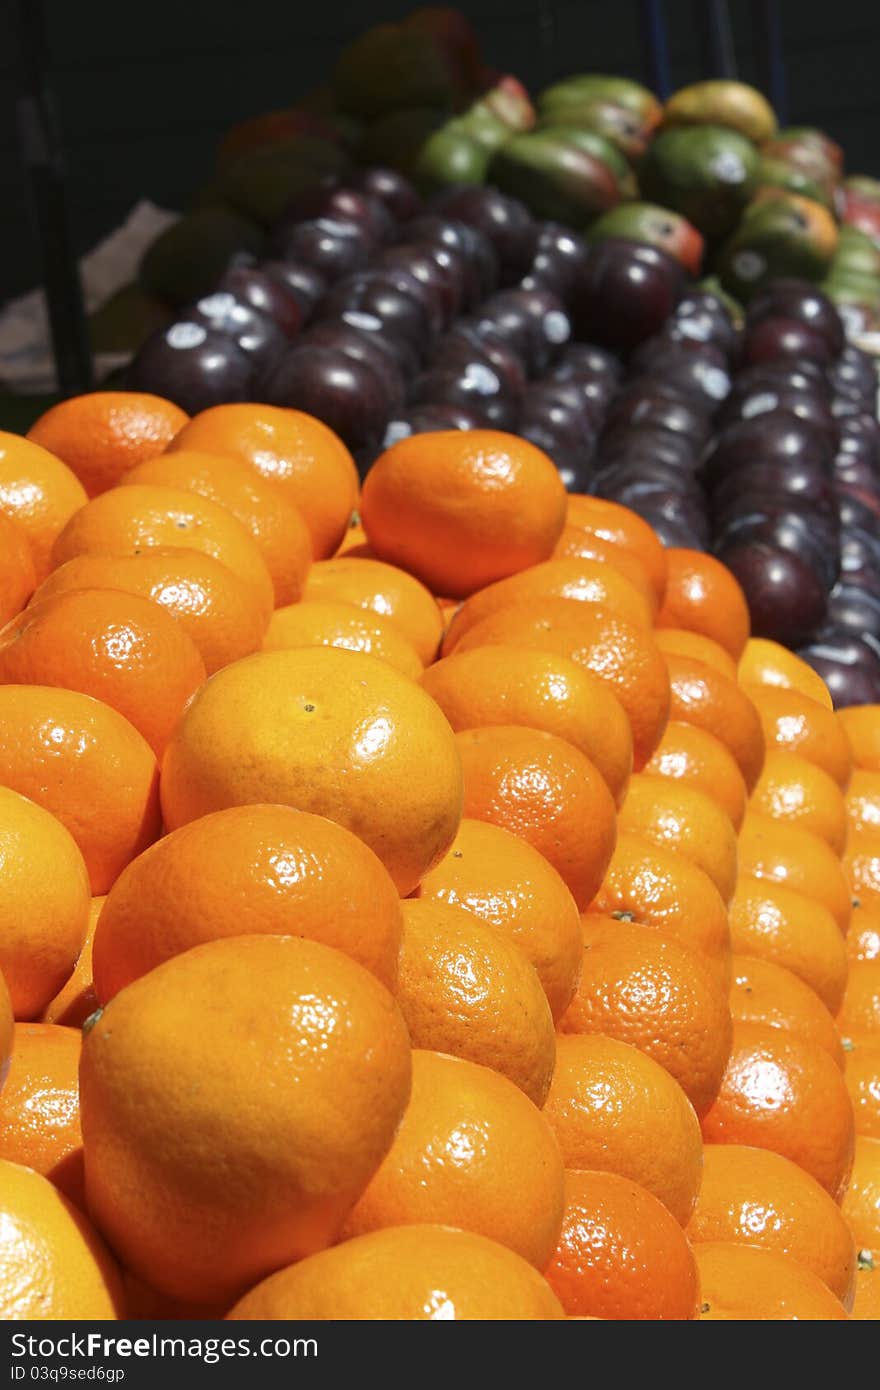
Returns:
(440,734)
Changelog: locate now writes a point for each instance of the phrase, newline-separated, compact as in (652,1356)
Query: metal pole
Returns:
(770,55)
(716,35)
(40,149)
(655,41)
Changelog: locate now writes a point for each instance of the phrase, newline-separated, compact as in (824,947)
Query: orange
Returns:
(795,723)
(296,452)
(79,759)
(862,1071)
(76,998)
(578,581)
(685,820)
(763,992)
(541,690)
(223,615)
(7,1027)
(462,508)
(44,903)
(39,492)
(616,1110)
(472,1152)
(861,865)
(783,853)
(863,801)
(544,790)
(861,726)
(703,596)
(338,733)
(18,578)
(270,1074)
(785,1093)
(576,543)
(499,878)
(755,1197)
(697,759)
(768,663)
(863,937)
(625,530)
(120,648)
(104,434)
(39,1106)
(861,1204)
(53,1264)
(328,623)
(621,1255)
(274,521)
(739,1283)
(247,870)
(866,1307)
(129,520)
(643,989)
(700,695)
(622,655)
(794,790)
(659,888)
(355,537)
(696,646)
(385,590)
(772,922)
(859,1015)
(405,1274)
(466,990)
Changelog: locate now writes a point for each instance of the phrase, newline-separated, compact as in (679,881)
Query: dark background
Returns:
(144,90)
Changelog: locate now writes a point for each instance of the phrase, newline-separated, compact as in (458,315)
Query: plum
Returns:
(786,601)
(192,365)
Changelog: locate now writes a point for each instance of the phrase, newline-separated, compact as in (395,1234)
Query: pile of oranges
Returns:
(417,901)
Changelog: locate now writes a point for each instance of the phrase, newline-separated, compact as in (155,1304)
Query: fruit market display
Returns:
(422,897)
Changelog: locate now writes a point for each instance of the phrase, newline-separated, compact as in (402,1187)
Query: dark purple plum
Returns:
(466,343)
(253,285)
(855,369)
(504,220)
(391,188)
(560,259)
(860,434)
(441,274)
(193,366)
(366,347)
(814,539)
(626,293)
(425,419)
(849,666)
(856,507)
(781,437)
(701,317)
(856,608)
(796,374)
(700,374)
(476,248)
(650,403)
(589,361)
(305,283)
(774,339)
(477,386)
(255,332)
(567,395)
(807,406)
(343,392)
(532,321)
(786,601)
(860,557)
(340,204)
(629,442)
(332,247)
(769,487)
(400,303)
(563,421)
(673,531)
(802,301)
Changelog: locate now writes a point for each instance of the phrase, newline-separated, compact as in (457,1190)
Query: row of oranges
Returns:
(504,964)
